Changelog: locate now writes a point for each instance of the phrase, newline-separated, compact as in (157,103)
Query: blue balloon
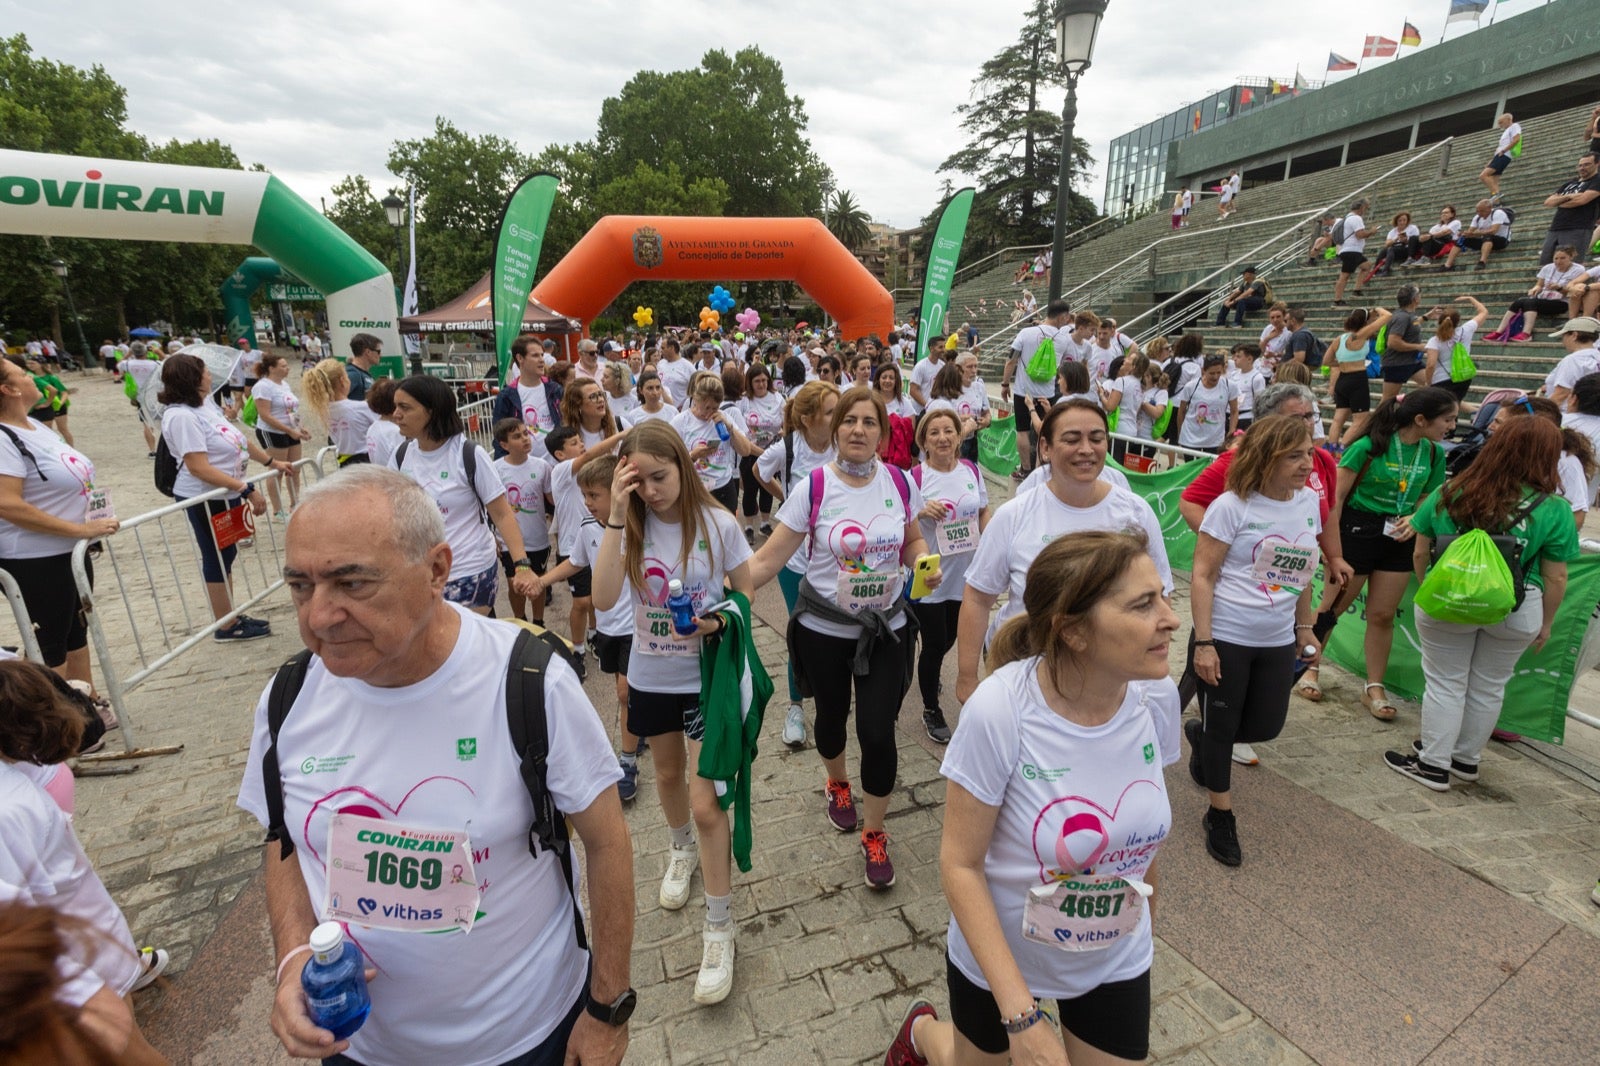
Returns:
(721,300)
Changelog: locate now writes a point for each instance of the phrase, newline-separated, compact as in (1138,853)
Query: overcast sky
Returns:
(318,90)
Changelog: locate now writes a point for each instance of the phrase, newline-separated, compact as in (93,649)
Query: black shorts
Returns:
(44,414)
(1499,163)
(1367,549)
(1114,1017)
(650,714)
(581,584)
(612,652)
(51,596)
(268,439)
(1477,242)
(537,558)
(1399,375)
(1350,262)
(1352,392)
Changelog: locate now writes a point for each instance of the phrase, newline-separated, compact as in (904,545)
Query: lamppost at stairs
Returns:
(60,268)
(1077,25)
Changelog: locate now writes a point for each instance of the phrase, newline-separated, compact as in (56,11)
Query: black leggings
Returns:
(754,494)
(1249,705)
(878,692)
(938,622)
(51,597)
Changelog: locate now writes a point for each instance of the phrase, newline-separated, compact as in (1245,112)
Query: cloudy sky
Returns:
(318,90)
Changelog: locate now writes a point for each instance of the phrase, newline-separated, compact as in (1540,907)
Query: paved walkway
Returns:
(1373,921)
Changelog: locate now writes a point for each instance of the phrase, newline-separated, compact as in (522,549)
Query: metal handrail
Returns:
(1300,219)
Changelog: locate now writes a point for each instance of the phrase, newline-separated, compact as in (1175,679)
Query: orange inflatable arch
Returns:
(622,249)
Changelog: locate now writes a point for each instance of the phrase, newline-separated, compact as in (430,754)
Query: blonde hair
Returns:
(806,404)
(1067,580)
(1268,440)
(321,385)
(660,441)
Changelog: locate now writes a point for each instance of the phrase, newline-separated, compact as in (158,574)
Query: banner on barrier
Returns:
(1161,491)
(1536,699)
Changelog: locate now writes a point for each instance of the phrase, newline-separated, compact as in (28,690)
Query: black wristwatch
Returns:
(615,1013)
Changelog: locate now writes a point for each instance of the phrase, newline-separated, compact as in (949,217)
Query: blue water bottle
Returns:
(722,433)
(334,982)
(682,608)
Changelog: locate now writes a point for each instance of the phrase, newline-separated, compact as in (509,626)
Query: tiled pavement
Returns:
(826,966)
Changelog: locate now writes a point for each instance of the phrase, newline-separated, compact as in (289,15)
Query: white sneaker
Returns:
(680,868)
(794,726)
(1245,755)
(716,965)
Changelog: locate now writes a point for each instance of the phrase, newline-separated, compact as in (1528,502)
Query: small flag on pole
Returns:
(1278,87)
(1197,120)
(1338,62)
(1378,48)
(1465,10)
(1410,37)
(1246,97)
(1301,83)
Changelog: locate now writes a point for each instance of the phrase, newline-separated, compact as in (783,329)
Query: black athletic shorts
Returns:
(581,584)
(1399,375)
(1351,391)
(537,558)
(268,439)
(1114,1018)
(1367,549)
(1350,262)
(650,714)
(611,652)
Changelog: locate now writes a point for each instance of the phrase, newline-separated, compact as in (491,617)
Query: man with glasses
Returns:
(1577,205)
(365,351)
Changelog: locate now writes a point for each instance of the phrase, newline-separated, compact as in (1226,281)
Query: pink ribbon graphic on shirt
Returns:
(657,575)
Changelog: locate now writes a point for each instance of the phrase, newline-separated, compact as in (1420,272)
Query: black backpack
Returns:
(23,452)
(1314,350)
(166,470)
(530,739)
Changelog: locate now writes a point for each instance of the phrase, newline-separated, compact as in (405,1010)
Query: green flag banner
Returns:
(1161,491)
(997,446)
(1536,698)
(942,256)
(516,257)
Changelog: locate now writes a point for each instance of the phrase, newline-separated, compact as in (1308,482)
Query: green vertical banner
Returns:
(1540,687)
(940,275)
(516,257)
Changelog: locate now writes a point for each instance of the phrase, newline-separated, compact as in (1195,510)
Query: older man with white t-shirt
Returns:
(366,565)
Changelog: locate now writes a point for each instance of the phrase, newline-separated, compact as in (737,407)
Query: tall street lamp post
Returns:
(1077,25)
(394,209)
(60,268)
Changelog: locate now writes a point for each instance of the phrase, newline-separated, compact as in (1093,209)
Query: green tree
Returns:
(732,117)
(848,222)
(1013,123)
(357,210)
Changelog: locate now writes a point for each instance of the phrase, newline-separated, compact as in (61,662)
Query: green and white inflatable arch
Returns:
(74,196)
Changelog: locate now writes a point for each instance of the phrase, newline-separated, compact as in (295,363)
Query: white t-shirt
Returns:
(718,468)
(862,529)
(1273,344)
(769,467)
(42,863)
(923,373)
(1066,794)
(60,487)
(675,375)
(1589,426)
(1396,234)
(702,578)
(1100,359)
(1573,366)
(340,749)
(526,486)
(1026,343)
(348,422)
(203,429)
(639,414)
(1188,374)
(618,621)
(1508,137)
(1260,533)
(443,476)
(1157,398)
(1205,423)
(1248,385)
(534,403)
(964,494)
(570,508)
(383,437)
(1463,335)
(1070,350)
(280,400)
(1572,485)
(1041,474)
(1128,406)
(1092,396)
(1443,231)
(904,406)
(974,400)
(623,406)
(1496,221)
(1551,280)
(1353,224)
(763,418)
(1023,525)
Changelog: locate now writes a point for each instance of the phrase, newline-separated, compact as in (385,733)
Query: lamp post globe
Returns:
(1077,26)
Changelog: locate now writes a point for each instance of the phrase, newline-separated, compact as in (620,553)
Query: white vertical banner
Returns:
(409,300)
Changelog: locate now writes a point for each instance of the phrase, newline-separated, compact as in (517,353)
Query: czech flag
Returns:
(1338,62)
(1411,37)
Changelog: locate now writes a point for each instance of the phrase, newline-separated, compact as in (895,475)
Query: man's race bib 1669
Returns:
(389,875)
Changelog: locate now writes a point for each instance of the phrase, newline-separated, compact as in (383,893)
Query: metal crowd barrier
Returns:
(19,612)
(151,564)
(477,418)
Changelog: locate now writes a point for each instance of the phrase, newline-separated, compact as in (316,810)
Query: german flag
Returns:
(1411,37)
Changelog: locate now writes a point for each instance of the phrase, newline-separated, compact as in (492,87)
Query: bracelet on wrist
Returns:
(285,960)
(1205,643)
(611,526)
(1026,1020)
(1305,625)
(522,564)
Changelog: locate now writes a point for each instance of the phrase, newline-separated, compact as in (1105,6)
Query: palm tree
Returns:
(848,222)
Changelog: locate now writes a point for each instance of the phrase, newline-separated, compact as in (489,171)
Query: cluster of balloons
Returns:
(748,319)
(710,320)
(720,300)
(643,316)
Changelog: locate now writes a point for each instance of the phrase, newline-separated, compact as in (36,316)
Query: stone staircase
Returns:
(1447,175)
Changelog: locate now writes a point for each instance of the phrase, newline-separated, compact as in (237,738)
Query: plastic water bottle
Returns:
(722,433)
(682,608)
(334,982)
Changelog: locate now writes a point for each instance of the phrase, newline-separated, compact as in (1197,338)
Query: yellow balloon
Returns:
(643,316)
